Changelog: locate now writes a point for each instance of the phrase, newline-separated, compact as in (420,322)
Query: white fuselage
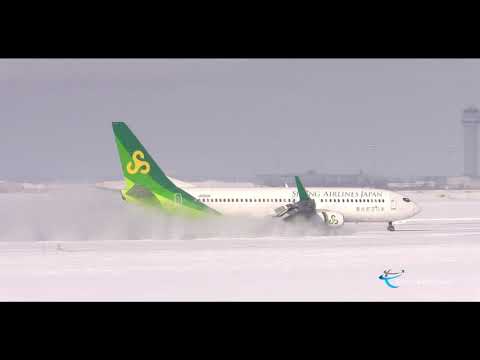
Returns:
(355,204)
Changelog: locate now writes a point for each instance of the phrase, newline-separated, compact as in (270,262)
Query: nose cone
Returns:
(416,209)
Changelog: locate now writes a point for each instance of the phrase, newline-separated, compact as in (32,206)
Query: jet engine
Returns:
(331,218)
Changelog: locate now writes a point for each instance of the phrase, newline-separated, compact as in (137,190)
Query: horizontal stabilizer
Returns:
(140,191)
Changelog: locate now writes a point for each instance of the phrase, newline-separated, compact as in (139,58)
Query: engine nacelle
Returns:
(331,218)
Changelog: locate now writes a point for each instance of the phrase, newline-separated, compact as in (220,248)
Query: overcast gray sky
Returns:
(215,118)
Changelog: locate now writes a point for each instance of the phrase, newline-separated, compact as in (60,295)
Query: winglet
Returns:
(302,193)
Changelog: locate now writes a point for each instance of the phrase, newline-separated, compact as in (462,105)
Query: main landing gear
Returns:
(390,226)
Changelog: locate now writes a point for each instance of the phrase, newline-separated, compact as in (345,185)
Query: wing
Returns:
(305,207)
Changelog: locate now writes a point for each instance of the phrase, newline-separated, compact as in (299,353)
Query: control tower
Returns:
(470,121)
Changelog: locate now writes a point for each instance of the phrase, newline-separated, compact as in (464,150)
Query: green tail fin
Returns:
(135,159)
(141,171)
(302,193)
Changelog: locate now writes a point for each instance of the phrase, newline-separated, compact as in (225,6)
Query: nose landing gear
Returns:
(390,226)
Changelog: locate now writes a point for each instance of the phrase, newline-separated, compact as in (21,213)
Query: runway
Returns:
(440,258)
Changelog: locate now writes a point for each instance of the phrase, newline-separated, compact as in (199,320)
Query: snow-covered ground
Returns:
(89,245)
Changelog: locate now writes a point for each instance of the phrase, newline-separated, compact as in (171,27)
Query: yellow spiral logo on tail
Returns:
(138,164)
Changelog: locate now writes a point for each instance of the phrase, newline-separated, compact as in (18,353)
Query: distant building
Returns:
(470,180)
(470,122)
(463,182)
(312,178)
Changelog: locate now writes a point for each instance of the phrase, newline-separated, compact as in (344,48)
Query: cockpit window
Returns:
(406,199)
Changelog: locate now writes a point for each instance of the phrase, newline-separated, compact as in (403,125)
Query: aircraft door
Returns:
(393,204)
(178,199)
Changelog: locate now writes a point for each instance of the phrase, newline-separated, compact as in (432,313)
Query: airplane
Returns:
(388,272)
(146,184)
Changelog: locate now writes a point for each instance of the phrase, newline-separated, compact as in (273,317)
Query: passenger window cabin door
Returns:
(393,204)
(178,199)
